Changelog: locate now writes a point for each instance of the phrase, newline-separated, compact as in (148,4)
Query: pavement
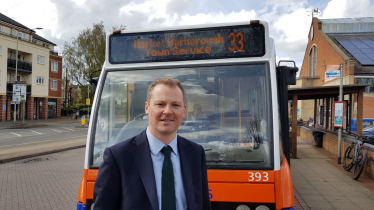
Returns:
(320,183)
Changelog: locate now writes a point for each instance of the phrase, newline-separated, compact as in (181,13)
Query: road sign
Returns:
(19,91)
(332,72)
(88,101)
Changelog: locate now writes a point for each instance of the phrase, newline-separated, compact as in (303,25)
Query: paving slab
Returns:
(323,184)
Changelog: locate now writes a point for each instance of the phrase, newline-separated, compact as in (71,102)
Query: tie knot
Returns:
(166,151)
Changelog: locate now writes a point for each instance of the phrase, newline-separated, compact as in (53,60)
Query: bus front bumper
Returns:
(80,206)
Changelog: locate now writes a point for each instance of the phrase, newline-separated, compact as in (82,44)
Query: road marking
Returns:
(69,129)
(15,134)
(35,132)
(9,145)
(56,130)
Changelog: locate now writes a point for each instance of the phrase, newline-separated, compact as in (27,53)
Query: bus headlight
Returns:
(243,207)
(262,207)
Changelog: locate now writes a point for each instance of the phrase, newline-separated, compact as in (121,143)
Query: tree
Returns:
(85,54)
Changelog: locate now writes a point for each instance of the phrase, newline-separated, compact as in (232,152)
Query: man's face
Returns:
(166,110)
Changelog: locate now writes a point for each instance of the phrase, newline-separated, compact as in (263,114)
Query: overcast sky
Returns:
(288,19)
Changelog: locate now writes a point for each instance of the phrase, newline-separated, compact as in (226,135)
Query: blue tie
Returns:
(167,182)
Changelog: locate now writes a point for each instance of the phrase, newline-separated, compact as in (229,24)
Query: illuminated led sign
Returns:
(191,44)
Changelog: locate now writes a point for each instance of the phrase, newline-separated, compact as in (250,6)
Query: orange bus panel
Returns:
(235,192)
(82,189)
(92,174)
(90,189)
(284,187)
(240,176)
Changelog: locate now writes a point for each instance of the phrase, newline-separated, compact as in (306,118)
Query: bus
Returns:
(236,98)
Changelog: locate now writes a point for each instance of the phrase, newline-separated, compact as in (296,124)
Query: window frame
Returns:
(313,61)
(52,84)
(40,59)
(54,64)
(21,35)
(41,82)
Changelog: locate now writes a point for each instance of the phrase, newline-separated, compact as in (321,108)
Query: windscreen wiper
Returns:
(233,161)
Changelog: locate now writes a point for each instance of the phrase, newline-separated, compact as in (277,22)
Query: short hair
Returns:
(165,81)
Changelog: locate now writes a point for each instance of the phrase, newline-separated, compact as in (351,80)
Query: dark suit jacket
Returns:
(126,178)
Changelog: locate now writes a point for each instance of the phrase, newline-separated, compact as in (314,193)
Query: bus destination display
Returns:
(207,43)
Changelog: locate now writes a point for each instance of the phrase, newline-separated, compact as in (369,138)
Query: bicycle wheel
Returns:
(359,167)
(348,158)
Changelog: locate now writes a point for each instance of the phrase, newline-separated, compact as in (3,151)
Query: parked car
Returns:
(366,123)
(368,131)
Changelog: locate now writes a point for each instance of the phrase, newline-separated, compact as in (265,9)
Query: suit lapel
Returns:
(143,162)
(185,160)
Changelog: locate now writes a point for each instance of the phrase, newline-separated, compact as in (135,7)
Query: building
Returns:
(38,65)
(332,42)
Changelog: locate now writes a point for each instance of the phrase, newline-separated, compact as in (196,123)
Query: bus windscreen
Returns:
(196,44)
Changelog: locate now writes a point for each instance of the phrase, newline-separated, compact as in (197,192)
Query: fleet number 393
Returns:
(258,176)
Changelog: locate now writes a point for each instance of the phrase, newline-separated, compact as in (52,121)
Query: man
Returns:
(310,121)
(156,169)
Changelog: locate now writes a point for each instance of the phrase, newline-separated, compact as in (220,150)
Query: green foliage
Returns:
(85,54)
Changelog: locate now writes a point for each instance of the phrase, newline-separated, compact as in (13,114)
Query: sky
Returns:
(289,20)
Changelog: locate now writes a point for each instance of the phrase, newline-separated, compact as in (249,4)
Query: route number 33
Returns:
(236,41)
(258,176)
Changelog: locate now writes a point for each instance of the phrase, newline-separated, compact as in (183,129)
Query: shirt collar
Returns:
(156,145)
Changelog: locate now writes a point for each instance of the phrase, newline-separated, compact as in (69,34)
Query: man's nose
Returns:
(168,110)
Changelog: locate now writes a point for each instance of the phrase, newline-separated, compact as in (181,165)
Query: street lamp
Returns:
(15,105)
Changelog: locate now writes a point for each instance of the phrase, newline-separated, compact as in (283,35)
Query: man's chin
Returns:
(166,132)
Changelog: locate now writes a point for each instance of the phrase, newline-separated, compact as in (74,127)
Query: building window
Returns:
(21,35)
(41,59)
(54,84)
(1,28)
(366,81)
(54,66)
(0,49)
(313,62)
(40,80)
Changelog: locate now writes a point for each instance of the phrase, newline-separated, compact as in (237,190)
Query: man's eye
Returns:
(177,105)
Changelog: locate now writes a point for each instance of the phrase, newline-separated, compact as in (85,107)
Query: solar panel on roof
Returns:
(361,47)
(349,46)
(367,50)
(370,55)
(365,61)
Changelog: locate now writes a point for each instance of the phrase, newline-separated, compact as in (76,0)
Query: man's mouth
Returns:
(166,120)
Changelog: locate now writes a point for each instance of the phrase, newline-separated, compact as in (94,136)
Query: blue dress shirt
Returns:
(155,146)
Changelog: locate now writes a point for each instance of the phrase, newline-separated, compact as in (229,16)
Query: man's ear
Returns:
(185,109)
(146,108)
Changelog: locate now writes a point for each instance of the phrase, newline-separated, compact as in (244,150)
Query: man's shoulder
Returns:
(126,145)
(189,143)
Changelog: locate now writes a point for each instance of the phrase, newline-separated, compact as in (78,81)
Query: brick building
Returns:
(38,65)
(332,42)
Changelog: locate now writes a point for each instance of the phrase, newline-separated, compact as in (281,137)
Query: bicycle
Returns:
(355,155)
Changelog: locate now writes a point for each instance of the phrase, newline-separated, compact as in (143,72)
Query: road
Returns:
(11,137)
